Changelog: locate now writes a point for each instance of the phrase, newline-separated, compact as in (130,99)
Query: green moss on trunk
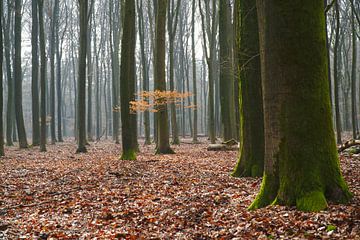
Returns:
(251,160)
(129,154)
(300,147)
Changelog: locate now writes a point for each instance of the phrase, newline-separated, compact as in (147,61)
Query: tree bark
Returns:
(127,81)
(18,77)
(251,158)
(302,165)
(163,145)
(42,77)
(81,104)
(35,74)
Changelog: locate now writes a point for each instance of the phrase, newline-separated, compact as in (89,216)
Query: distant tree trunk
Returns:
(10,111)
(209,32)
(114,46)
(353,76)
(336,74)
(18,77)
(90,77)
(81,104)
(226,71)
(195,121)
(52,73)
(297,109)
(251,158)
(2,152)
(42,77)
(58,54)
(127,79)
(35,74)
(172,26)
(145,68)
(163,145)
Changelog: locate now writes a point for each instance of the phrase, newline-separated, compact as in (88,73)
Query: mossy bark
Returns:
(251,158)
(127,83)
(302,166)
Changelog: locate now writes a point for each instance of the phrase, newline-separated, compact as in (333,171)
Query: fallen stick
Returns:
(348,144)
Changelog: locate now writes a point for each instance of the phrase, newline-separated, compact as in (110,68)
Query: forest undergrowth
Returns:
(187,195)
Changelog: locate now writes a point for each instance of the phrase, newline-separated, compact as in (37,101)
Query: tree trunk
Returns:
(353,76)
(226,84)
(195,121)
(302,165)
(52,74)
(10,80)
(2,152)
(35,74)
(163,145)
(42,77)
(336,74)
(251,159)
(81,104)
(18,77)
(127,81)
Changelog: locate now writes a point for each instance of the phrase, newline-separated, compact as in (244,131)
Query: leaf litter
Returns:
(187,195)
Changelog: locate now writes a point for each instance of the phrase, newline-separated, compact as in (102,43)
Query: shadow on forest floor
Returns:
(189,195)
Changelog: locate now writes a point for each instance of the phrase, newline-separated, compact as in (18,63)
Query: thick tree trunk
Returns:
(302,165)
(127,81)
(251,159)
(226,84)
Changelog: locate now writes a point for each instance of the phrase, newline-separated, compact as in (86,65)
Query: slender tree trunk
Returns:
(336,74)
(353,77)
(297,109)
(2,152)
(10,108)
(42,77)
(35,74)
(52,73)
(163,145)
(195,121)
(145,68)
(81,104)
(18,77)
(58,54)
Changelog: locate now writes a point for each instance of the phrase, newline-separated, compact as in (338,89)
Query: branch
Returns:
(348,144)
(328,7)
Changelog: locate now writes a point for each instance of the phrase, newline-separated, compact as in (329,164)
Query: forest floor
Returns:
(189,195)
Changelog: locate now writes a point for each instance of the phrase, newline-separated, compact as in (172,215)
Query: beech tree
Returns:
(127,82)
(18,77)
(81,104)
(163,145)
(302,165)
(42,76)
(2,153)
(35,74)
(251,158)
